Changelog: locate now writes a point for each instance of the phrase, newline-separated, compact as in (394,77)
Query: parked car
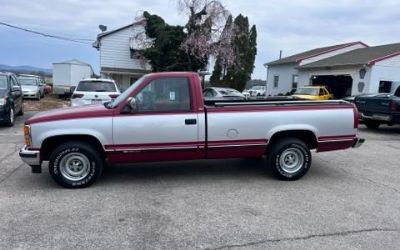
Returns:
(377,109)
(222,93)
(313,93)
(32,86)
(162,117)
(11,99)
(255,91)
(94,91)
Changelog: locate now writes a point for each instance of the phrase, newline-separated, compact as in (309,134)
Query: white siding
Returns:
(390,62)
(386,70)
(332,53)
(61,74)
(115,50)
(285,73)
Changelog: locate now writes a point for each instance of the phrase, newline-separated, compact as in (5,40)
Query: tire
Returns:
(38,96)
(75,165)
(289,159)
(11,118)
(371,124)
(21,111)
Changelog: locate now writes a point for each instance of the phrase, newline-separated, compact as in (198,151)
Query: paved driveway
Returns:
(349,199)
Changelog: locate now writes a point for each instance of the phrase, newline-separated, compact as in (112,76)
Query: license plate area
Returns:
(96,101)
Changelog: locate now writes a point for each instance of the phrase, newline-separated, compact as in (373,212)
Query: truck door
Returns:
(163,126)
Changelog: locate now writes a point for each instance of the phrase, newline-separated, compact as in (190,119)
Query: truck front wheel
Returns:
(75,165)
(289,159)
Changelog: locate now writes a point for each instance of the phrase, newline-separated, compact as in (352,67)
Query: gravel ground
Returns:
(348,200)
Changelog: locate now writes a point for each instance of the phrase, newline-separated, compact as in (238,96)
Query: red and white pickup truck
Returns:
(163,117)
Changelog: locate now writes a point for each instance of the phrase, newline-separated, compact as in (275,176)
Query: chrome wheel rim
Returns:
(75,166)
(291,160)
(12,115)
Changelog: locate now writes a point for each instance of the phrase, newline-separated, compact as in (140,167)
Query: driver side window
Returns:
(164,95)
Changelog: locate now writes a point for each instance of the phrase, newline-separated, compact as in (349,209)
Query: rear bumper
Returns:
(30,157)
(393,118)
(358,142)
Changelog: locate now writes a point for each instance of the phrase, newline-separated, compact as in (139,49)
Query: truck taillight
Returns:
(355,112)
(76,95)
(27,135)
(113,95)
(393,105)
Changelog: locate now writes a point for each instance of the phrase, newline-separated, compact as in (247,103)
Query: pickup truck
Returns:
(163,117)
(377,109)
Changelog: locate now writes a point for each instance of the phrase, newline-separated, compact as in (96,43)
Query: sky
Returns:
(288,25)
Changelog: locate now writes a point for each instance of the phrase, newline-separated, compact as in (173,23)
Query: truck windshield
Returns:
(307,91)
(96,86)
(3,82)
(126,93)
(28,81)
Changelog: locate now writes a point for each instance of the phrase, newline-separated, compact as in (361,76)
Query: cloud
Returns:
(291,26)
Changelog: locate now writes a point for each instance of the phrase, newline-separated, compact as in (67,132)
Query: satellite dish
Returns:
(102,27)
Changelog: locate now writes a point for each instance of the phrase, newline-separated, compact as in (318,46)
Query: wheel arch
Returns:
(50,143)
(308,136)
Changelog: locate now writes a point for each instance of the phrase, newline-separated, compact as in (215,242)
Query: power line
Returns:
(76,40)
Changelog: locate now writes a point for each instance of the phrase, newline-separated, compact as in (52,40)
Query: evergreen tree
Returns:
(244,44)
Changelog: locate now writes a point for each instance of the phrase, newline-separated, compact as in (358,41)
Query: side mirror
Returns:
(133,104)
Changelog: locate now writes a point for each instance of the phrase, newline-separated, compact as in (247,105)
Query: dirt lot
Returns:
(48,102)
(348,200)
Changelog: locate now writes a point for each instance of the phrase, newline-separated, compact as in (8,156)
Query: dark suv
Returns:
(11,98)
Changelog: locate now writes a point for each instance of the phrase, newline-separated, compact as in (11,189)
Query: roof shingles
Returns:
(357,57)
(311,53)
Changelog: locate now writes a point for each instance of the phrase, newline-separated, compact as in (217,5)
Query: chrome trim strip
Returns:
(342,140)
(241,145)
(130,150)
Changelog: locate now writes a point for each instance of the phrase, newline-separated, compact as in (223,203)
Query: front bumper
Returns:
(32,95)
(358,142)
(3,114)
(30,157)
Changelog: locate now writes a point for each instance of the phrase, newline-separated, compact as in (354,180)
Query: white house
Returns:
(347,69)
(283,75)
(67,74)
(118,59)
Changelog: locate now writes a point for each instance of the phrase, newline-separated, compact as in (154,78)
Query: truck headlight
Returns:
(27,135)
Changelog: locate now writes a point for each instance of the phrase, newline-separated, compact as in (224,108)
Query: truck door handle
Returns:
(190,121)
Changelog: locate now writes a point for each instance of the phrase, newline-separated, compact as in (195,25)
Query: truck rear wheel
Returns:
(372,124)
(289,159)
(75,165)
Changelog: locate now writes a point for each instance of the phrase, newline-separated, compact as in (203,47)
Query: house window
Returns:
(276,81)
(135,54)
(294,81)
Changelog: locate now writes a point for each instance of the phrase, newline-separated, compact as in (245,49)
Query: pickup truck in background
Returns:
(379,109)
(163,117)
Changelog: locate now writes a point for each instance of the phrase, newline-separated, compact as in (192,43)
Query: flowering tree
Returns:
(208,32)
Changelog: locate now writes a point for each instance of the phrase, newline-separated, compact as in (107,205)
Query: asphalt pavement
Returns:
(348,200)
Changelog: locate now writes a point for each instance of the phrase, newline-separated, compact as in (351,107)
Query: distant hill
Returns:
(25,69)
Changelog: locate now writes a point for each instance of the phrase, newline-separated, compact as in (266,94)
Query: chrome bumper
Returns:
(30,157)
(358,142)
